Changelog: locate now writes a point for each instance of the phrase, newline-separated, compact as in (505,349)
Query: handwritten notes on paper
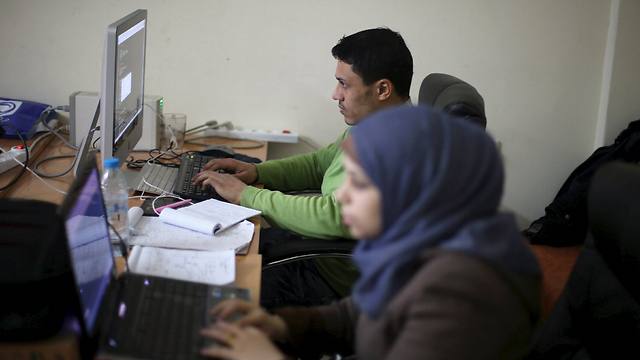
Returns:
(216,268)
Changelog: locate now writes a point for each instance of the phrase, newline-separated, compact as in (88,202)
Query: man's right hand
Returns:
(244,171)
(249,314)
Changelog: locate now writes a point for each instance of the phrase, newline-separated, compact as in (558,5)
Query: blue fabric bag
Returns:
(22,116)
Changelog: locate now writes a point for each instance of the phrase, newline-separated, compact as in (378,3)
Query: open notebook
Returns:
(208,217)
(210,225)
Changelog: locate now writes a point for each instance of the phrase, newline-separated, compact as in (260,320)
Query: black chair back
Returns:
(614,220)
(454,96)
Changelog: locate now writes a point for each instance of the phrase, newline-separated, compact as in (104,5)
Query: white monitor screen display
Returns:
(129,84)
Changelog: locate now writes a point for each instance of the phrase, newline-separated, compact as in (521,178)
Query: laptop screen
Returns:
(88,238)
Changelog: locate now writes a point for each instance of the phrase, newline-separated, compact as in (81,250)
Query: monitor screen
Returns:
(89,245)
(122,96)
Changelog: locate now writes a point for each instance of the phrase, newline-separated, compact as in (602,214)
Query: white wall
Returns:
(267,64)
(624,94)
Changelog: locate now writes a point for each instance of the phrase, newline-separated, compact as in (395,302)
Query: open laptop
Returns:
(132,316)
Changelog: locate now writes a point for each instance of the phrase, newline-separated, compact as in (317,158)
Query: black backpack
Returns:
(35,273)
(565,220)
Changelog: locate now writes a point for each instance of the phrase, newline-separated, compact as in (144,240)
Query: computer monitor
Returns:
(122,95)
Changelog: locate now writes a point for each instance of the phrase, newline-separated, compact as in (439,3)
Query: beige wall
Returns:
(267,64)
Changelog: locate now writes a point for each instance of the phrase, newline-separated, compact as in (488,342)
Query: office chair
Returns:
(598,313)
(453,96)
(306,248)
(441,91)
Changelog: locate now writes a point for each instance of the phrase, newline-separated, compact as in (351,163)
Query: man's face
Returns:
(355,99)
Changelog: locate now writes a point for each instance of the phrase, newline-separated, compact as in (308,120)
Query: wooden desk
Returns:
(248,267)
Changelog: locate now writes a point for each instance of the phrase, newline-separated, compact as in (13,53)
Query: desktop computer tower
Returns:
(82,106)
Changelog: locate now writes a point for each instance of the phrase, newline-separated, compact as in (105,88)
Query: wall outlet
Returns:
(7,158)
(283,136)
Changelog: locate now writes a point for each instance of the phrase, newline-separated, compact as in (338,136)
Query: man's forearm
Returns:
(312,216)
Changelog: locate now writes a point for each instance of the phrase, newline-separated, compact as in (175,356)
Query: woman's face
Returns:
(361,202)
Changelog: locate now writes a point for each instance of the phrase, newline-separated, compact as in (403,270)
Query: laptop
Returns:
(131,316)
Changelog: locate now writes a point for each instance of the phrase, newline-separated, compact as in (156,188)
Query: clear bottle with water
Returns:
(115,191)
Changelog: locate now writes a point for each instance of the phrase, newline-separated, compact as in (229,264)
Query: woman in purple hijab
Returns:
(443,274)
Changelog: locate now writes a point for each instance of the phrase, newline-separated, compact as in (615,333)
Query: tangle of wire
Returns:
(24,165)
(161,158)
(156,159)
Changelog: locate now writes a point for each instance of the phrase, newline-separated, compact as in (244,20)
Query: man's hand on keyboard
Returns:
(226,185)
(244,171)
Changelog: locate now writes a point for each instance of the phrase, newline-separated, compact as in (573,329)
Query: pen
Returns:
(174,205)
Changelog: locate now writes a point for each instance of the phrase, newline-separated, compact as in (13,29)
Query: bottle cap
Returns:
(111,163)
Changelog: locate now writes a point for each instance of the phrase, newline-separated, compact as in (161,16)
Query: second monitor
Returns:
(122,95)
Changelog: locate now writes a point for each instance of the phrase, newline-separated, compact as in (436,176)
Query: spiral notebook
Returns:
(207,217)
(210,225)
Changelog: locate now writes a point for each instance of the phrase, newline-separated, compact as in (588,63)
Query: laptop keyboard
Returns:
(168,315)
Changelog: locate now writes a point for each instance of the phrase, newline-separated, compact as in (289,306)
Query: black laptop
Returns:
(132,316)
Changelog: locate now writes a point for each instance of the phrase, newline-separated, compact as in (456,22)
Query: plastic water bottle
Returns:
(115,191)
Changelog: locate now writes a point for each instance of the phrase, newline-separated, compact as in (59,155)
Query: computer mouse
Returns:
(218,151)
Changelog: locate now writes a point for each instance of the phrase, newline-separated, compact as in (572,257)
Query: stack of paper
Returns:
(216,268)
(209,225)
(164,246)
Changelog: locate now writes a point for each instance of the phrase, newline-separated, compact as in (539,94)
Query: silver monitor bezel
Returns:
(107,95)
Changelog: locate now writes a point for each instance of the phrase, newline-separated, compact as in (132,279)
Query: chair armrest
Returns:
(307,248)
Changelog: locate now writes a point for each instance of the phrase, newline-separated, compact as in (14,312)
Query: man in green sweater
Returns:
(374,71)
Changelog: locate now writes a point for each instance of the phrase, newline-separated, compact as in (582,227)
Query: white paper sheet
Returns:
(209,267)
(208,217)
(151,231)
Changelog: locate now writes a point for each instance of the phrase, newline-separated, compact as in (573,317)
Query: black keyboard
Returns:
(168,317)
(190,165)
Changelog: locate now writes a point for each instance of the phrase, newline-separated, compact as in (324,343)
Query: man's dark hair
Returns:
(376,54)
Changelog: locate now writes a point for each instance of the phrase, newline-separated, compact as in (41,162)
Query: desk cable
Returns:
(213,124)
(24,166)
(41,176)
(55,132)
(56,157)
(168,154)
(153,203)
(253,144)
(154,159)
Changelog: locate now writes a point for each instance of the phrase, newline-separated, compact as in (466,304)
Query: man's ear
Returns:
(384,89)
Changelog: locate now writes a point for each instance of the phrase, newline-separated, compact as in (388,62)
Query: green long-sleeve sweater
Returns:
(310,216)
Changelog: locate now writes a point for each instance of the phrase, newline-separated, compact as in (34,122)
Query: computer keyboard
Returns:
(160,176)
(190,165)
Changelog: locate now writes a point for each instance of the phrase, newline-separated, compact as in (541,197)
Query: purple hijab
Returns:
(441,181)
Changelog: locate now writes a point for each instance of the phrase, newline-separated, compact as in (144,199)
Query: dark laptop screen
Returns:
(90,246)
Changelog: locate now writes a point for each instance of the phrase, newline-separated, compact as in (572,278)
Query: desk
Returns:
(248,267)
